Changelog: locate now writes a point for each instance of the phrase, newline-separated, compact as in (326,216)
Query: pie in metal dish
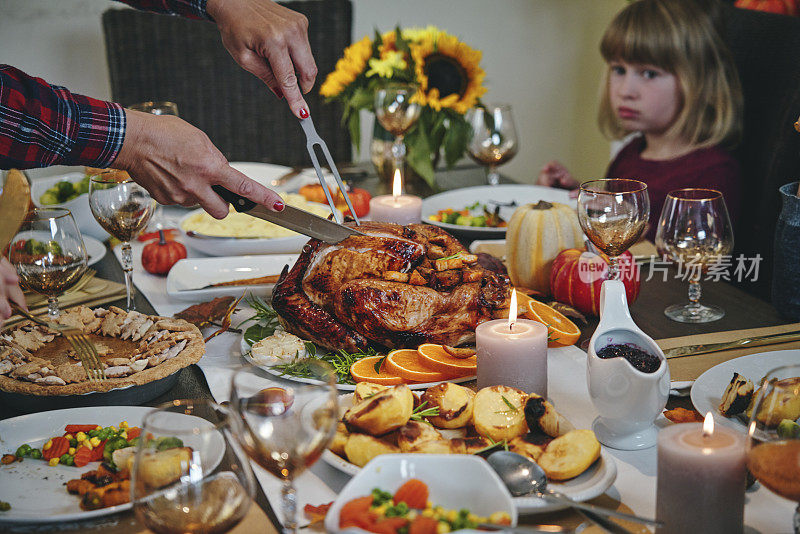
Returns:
(135,349)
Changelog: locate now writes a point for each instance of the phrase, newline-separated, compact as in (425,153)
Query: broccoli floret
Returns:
(168,443)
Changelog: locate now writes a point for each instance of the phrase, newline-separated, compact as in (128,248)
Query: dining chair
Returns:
(765,48)
(159,57)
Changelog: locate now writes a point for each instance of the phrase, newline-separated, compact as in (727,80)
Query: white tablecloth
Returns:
(636,470)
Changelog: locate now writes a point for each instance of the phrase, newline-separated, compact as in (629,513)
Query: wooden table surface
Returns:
(742,311)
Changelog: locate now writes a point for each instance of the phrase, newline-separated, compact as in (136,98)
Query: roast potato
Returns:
(162,468)
(455,404)
(570,455)
(522,446)
(364,390)
(339,439)
(381,413)
(499,413)
(361,448)
(781,403)
(415,432)
(542,416)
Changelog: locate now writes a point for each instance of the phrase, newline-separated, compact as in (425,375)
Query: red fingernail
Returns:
(303,113)
(278,206)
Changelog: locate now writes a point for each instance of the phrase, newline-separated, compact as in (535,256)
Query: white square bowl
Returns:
(79,206)
(455,481)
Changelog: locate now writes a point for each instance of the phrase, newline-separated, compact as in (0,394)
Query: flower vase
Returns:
(380,150)
(786,273)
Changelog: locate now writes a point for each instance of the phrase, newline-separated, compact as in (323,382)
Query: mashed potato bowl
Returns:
(240,234)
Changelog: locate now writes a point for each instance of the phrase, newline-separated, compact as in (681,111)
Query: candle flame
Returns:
(512,309)
(708,425)
(397,185)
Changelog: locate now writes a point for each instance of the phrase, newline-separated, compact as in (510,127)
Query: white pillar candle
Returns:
(701,479)
(397,207)
(512,353)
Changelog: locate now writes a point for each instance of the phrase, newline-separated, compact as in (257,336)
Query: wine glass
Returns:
(123,209)
(613,213)
(773,444)
(49,254)
(694,230)
(494,138)
(397,111)
(206,488)
(286,429)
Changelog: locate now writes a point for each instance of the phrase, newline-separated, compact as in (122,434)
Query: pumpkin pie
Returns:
(134,348)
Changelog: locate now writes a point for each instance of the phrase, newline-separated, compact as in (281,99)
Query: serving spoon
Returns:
(523,476)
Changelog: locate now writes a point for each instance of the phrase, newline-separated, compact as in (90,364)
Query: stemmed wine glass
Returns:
(397,111)
(206,487)
(123,209)
(286,429)
(494,138)
(694,230)
(49,254)
(773,445)
(613,213)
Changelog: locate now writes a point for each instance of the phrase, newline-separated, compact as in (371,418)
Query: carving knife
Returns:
(292,218)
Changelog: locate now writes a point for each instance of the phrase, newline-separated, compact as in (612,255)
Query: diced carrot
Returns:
(388,525)
(363,520)
(133,432)
(97,452)
(83,456)
(74,429)
(423,525)
(354,511)
(60,447)
(413,492)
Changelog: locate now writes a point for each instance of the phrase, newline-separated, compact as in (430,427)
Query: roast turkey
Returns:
(387,289)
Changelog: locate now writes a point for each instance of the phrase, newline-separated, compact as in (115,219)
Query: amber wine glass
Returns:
(694,230)
(123,208)
(613,213)
(201,484)
(494,138)
(286,429)
(49,254)
(397,111)
(773,444)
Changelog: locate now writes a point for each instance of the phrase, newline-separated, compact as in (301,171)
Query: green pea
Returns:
(73,442)
(23,450)
(4,506)
(36,454)
(93,433)
(65,459)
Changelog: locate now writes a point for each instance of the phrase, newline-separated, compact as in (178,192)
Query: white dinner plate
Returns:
(245,348)
(94,249)
(37,491)
(187,278)
(459,199)
(590,484)
(708,388)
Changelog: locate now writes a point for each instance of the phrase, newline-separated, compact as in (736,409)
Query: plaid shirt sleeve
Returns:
(192,9)
(43,125)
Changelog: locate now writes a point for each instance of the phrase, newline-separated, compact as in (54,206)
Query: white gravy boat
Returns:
(627,399)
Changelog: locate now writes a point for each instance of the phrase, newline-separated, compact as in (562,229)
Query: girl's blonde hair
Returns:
(680,37)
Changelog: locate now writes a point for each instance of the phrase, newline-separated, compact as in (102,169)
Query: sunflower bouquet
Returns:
(446,71)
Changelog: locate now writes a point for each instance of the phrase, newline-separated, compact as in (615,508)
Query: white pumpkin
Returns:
(536,234)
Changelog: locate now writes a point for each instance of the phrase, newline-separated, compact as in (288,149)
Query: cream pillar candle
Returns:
(701,479)
(396,208)
(512,353)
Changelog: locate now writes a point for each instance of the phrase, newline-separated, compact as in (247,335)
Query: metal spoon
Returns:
(523,476)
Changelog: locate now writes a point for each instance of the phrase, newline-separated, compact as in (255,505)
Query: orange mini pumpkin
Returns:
(782,7)
(158,257)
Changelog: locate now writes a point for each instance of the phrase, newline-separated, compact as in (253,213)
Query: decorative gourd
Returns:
(782,7)
(536,234)
(159,256)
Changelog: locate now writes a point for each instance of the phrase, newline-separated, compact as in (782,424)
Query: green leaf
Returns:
(378,364)
(354,126)
(456,139)
(257,332)
(419,155)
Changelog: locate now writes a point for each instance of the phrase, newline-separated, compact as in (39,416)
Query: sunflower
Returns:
(348,68)
(448,72)
(386,66)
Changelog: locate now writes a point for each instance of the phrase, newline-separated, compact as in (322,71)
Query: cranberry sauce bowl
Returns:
(627,374)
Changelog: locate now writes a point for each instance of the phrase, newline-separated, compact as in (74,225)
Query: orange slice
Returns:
(522,299)
(435,357)
(561,331)
(407,364)
(364,371)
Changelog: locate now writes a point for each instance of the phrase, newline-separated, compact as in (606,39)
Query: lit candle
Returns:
(512,352)
(701,479)
(397,207)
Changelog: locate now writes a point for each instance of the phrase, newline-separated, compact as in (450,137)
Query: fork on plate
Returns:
(83,347)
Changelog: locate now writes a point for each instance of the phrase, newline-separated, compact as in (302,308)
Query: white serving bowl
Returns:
(79,206)
(455,481)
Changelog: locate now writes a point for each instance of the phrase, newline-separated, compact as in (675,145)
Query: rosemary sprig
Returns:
(266,320)
(420,412)
(511,407)
(450,257)
(341,361)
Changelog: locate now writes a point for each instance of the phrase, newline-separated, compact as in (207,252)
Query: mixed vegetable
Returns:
(36,247)
(486,218)
(64,191)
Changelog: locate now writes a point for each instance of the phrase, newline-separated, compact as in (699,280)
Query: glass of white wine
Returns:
(286,429)
(123,208)
(494,138)
(49,254)
(202,483)
(694,230)
(397,111)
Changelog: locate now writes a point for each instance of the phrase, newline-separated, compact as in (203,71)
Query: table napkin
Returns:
(691,367)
